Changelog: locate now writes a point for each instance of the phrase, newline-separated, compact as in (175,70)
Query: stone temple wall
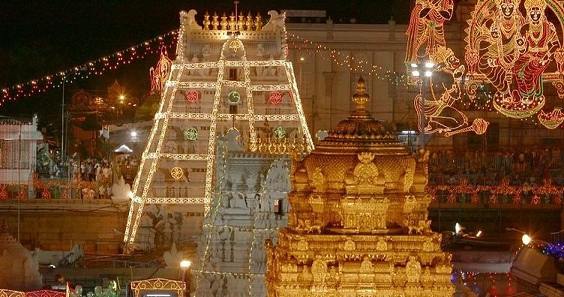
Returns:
(59,230)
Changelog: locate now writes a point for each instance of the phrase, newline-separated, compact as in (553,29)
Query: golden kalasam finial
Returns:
(360,97)
(207,21)
(215,21)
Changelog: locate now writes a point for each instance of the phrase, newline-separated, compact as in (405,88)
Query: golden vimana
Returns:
(358,222)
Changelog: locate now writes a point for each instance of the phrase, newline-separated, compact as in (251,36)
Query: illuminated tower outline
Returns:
(185,107)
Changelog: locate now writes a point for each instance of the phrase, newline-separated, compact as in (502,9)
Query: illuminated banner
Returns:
(511,45)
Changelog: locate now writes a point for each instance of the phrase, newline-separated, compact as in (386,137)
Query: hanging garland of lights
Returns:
(168,41)
(93,68)
(353,63)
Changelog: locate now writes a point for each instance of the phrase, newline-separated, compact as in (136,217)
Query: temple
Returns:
(230,75)
(229,118)
(358,222)
(20,268)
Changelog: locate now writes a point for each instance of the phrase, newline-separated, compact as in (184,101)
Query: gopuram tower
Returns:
(230,117)
(358,222)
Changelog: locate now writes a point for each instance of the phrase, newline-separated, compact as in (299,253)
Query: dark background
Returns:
(39,38)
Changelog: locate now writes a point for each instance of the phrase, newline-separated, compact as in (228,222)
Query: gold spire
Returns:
(360,97)
(360,125)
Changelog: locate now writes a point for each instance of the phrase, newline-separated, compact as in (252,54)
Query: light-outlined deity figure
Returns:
(515,47)
(504,47)
(541,40)
(438,113)
(160,72)
(425,32)
(435,104)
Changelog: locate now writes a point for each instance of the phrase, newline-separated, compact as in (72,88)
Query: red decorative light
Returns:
(274,98)
(192,96)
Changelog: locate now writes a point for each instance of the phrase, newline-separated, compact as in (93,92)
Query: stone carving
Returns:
(305,275)
(364,215)
(410,204)
(349,245)
(366,266)
(318,180)
(365,173)
(319,270)
(381,245)
(420,177)
(302,245)
(309,226)
(421,227)
(413,270)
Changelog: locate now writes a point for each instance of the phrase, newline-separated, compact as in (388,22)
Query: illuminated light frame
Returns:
(165,114)
(553,119)
(158,284)
(484,12)
(428,43)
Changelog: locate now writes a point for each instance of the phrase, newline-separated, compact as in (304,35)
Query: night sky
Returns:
(42,37)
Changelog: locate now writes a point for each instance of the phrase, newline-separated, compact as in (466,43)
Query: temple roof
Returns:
(360,130)
(10,247)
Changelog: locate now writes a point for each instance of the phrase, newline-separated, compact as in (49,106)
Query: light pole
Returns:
(424,69)
(63,118)
(63,125)
(184,265)
(525,239)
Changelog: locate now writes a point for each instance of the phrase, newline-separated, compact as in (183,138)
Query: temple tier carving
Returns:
(358,223)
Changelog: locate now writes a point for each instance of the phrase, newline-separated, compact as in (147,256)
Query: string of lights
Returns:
(354,64)
(96,67)
(150,47)
(168,40)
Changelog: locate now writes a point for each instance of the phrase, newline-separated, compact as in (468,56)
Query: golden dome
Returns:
(359,133)
(360,129)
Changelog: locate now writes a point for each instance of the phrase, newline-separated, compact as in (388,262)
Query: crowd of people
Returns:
(92,178)
(521,167)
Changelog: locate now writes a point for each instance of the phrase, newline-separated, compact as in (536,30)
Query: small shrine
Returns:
(19,143)
(20,270)
(358,222)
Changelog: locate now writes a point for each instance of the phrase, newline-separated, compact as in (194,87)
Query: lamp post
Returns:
(63,118)
(424,69)
(184,265)
(63,129)
(525,239)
